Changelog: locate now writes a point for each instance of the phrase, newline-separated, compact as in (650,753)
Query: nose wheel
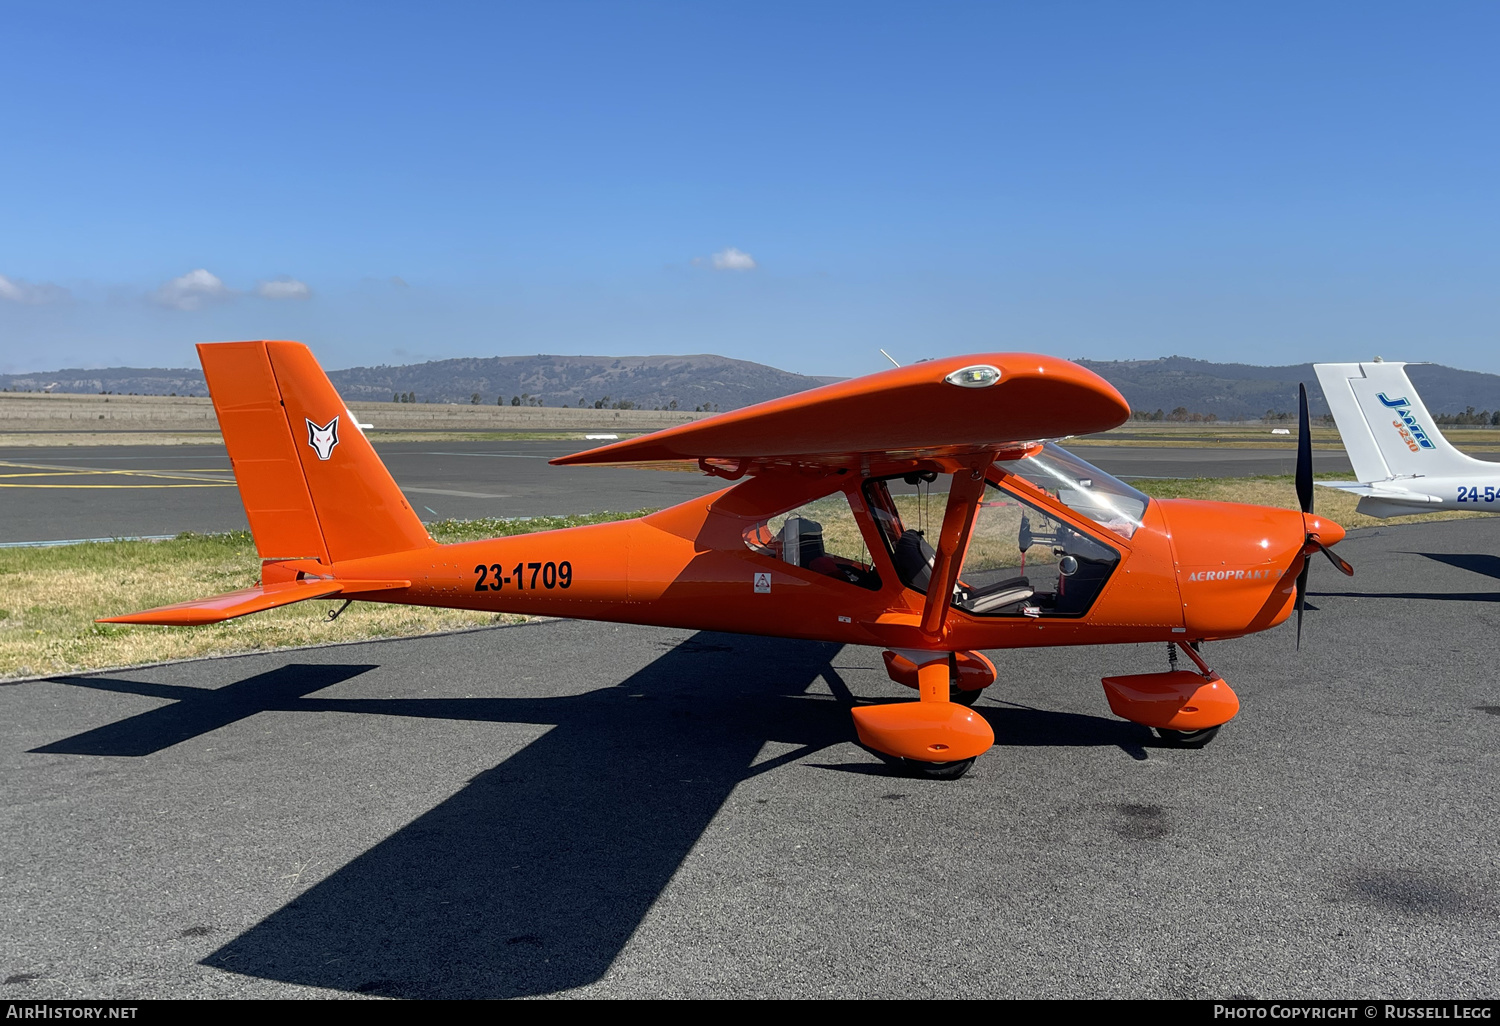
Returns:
(935,770)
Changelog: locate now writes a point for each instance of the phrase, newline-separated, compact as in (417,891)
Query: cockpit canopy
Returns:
(1083,488)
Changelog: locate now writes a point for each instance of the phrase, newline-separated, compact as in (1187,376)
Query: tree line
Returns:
(527,399)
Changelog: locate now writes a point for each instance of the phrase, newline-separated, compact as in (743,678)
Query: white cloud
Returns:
(17,291)
(732,259)
(192,291)
(729,259)
(283,288)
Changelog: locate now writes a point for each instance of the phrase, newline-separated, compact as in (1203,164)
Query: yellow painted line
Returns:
(206,484)
(48,470)
(118,470)
(156,476)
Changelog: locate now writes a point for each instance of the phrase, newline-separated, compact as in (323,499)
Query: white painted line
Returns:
(462,495)
(84,541)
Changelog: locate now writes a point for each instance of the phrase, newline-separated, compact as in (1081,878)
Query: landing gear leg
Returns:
(935,685)
(934,737)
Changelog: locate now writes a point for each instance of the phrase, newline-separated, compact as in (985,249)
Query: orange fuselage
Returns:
(1193,571)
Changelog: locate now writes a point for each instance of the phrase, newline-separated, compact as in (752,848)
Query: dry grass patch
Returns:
(50,597)
(1135,434)
(54,439)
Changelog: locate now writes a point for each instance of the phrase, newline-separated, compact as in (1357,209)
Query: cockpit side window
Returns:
(1024,561)
(822,536)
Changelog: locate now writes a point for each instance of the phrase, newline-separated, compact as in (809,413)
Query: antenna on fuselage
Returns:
(889,357)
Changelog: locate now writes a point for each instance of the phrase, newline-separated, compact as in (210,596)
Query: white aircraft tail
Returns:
(1386,428)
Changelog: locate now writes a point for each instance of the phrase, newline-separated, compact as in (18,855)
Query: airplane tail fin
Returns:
(311,483)
(1386,428)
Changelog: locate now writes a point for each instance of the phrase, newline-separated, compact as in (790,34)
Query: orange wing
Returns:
(947,407)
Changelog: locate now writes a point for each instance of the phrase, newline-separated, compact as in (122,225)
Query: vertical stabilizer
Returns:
(310,481)
(262,451)
(1387,429)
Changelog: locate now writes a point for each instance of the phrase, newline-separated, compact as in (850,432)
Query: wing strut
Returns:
(963,499)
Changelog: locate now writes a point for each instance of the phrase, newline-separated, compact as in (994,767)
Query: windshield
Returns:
(1082,487)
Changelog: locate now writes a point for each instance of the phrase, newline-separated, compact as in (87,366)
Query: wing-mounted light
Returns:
(981,375)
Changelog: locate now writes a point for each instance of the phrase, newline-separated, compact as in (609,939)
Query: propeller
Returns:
(1305,500)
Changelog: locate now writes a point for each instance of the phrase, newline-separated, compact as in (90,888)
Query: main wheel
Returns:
(962,697)
(937,770)
(1187,738)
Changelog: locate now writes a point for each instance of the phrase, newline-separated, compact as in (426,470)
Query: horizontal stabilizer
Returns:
(962,404)
(249,600)
(1399,496)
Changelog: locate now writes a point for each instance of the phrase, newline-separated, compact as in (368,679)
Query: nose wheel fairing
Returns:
(1178,703)
(1177,700)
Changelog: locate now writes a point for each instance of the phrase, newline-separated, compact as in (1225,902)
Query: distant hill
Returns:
(1232,391)
(123,380)
(647,382)
(1238,391)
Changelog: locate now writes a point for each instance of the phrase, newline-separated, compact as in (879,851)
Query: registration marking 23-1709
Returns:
(550,575)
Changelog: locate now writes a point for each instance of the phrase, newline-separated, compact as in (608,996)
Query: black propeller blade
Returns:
(1301,598)
(1304,452)
(1335,559)
(1305,500)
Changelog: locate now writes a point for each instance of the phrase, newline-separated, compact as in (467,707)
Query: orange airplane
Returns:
(923,510)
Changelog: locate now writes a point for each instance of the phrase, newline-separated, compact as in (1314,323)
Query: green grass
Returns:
(53,595)
(1281,491)
(449,531)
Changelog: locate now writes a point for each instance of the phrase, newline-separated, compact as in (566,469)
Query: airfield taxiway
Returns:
(566,808)
(80,492)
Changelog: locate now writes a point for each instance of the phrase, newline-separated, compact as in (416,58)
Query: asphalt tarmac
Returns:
(576,809)
(67,493)
(142,491)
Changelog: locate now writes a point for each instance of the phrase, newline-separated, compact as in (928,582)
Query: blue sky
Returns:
(798,184)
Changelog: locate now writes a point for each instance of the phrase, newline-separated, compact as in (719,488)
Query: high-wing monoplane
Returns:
(925,510)
(1404,464)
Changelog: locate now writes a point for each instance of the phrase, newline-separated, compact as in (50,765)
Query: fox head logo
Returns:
(324,438)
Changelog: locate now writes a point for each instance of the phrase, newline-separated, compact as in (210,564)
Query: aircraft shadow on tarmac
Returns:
(534,876)
(194,711)
(1475,562)
(1481,563)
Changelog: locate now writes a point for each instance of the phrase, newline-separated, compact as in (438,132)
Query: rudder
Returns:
(311,483)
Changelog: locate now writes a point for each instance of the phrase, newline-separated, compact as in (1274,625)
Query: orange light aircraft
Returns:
(923,510)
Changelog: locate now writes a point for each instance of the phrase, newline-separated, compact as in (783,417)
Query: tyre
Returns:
(1187,738)
(936,770)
